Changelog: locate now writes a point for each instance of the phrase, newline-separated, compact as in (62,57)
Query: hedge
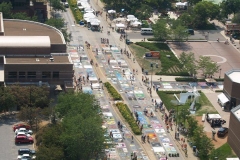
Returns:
(173,74)
(128,116)
(78,15)
(114,93)
(190,79)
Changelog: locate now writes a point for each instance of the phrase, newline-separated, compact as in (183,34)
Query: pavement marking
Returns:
(223,59)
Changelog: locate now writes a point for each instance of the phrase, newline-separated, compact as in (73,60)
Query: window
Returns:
(12,74)
(55,74)
(31,75)
(22,75)
(46,74)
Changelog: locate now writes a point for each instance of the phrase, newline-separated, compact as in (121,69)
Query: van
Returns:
(146,31)
(66,4)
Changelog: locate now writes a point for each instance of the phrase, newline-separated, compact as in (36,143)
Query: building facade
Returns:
(33,52)
(234,130)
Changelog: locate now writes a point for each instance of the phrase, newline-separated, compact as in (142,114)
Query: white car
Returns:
(23,130)
(25,156)
(22,134)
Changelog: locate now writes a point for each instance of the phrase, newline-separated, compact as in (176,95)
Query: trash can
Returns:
(194,148)
(146,72)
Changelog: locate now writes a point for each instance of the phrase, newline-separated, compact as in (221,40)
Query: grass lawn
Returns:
(167,66)
(202,106)
(223,152)
(139,52)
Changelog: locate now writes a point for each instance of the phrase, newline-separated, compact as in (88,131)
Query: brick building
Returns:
(234,130)
(33,52)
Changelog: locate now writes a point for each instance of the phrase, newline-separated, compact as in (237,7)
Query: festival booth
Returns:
(112,14)
(136,24)
(222,99)
(89,10)
(94,24)
(83,5)
(120,28)
(181,5)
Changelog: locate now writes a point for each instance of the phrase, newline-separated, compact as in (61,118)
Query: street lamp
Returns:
(176,128)
(220,72)
(151,65)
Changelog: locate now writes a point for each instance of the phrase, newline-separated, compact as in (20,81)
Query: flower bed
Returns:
(126,113)
(114,93)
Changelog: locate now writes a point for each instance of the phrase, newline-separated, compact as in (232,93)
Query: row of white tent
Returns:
(89,13)
(133,20)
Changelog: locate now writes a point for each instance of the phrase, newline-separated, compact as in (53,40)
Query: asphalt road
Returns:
(8,149)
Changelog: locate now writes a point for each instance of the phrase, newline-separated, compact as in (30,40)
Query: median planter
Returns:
(126,113)
(113,92)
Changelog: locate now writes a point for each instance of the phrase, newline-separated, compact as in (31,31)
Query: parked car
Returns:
(23,139)
(23,134)
(25,157)
(20,125)
(222,132)
(23,130)
(22,151)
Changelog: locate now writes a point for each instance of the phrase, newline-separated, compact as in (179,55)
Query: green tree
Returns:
(207,66)
(67,36)
(236,18)
(57,5)
(144,12)
(180,33)
(56,22)
(203,11)
(230,6)
(23,16)
(186,19)
(50,153)
(188,61)
(5,8)
(183,114)
(192,125)
(81,127)
(160,30)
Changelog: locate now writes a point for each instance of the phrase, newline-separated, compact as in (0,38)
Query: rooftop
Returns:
(30,28)
(234,75)
(38,60)
(236,112)
(24,41)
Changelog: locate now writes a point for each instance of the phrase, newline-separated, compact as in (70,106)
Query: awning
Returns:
(214,116)
(222,97)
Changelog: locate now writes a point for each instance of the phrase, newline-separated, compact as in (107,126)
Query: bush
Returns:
(127,114)
(114,93)
(156,39)
(219,90)
(173,74)
(78,15)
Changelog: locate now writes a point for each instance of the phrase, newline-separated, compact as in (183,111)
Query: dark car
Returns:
(190,31)
(22,151)
(222,132)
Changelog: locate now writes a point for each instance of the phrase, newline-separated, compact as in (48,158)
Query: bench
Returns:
(203,117)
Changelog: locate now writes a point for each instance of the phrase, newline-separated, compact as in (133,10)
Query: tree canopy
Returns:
(188,61)
(160,30)
(79,135)
(230,6)
(207,66)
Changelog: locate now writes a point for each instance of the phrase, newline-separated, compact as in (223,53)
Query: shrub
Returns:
(127,114)
(78,15)
(114,93)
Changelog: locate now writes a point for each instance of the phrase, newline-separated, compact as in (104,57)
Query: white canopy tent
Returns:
(181,5)
(94,21)
(120,26)
(222,99)
(79,2)
(214,116)
(85,5)
(111,11)
(130,16)
(89,10)
(88,16)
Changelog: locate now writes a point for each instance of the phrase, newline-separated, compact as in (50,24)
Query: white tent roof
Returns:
(136,23)
(111,11)
(222,97)
(88,10)
(85,5)
(94,21)
(120,25)
(88,16)
(214,116)
(130,16)
(181,4)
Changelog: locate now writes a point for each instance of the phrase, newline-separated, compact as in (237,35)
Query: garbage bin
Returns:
(146,72)
(194,148)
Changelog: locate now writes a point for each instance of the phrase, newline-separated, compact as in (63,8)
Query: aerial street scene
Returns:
(120,80)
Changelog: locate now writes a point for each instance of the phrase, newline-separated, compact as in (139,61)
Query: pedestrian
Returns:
(148,140)
(137,71)
(170,126)
(132,139)
(167,128)
(123,135)
(144,138)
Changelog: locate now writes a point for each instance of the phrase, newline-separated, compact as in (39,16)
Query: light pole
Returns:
(220,72)
(151,65)
(176,128)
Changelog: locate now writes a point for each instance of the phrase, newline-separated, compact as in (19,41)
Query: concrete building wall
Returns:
(65,72)
(233,134)
(58,48)
(25,51)
(227,85)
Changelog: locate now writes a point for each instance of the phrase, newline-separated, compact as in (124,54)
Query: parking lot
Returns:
(8,149)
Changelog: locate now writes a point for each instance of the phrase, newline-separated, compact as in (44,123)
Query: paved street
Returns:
(8,149)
